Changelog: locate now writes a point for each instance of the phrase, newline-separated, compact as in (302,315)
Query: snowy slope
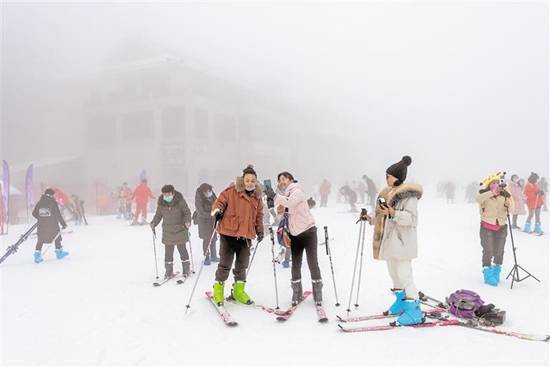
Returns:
(98,305)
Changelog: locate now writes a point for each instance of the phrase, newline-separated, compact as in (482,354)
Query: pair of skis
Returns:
(281,315)
(181,279)
(438,320)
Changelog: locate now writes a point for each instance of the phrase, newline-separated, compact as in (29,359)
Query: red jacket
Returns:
(142,193)
(61,198)
(534,200)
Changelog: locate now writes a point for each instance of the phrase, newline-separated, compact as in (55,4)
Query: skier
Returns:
(124,201)
(494,200)
(49,218)
(450,192)
(361,189)
(303,235)
(535,201)
(324,191)
(204,198)
(371,190)
(172,209)
(141,194)
(239,211)
(395,240)
(471,192)
(351,197)
(518,197)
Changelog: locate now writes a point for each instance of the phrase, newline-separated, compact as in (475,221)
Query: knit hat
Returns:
(249,170)
(49,192)
(399,169)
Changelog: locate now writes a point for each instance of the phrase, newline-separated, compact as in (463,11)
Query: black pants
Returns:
(169,252)
(305,241)
(40,242)
(493,244)
(206,242)
(536,212)
(231,247)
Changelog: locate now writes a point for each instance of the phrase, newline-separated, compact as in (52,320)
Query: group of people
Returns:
(362,191)
(140,195)
(237,216)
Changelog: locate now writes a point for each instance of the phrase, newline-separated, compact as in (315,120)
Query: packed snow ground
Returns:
(98,305)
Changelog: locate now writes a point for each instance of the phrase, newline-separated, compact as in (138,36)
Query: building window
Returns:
(138,125)
(173,124)
(101,131)
(202,125)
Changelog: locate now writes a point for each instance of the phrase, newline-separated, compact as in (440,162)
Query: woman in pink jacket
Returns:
(516,190)
(535,201)
(290,198)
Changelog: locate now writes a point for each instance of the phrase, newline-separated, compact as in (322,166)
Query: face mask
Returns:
(168,199)
(250,189)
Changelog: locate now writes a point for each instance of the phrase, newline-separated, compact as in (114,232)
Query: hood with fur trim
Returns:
(239,186)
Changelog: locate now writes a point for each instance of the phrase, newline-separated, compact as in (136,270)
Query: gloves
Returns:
(217,213)
(484,190)
(270,203)
(311,203)
(259,237)
(505,193)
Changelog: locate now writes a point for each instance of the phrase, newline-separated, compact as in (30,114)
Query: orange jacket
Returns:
(142,193)
(534,200)
(243,214)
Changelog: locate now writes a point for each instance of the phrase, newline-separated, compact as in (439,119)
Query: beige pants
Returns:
(402,276)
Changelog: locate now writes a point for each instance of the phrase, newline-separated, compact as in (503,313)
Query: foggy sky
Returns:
(462,87)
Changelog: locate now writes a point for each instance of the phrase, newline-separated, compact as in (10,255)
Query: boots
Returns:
(538,229)
(316,286)
(496,273)
(185,268)
(169,273)
(60,253)
(397,306)
(38,257)
(411,313)
(297,291)
(207,260)
(527,227)
(488,276)
(214,259)
(218,293)
(239,294)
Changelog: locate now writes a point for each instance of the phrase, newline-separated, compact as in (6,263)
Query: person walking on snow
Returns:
(535,201)
(174,212)
(239,210)
(395,240)
(303,235)
(519,200)
(49,218)
(494,202)
(142,194)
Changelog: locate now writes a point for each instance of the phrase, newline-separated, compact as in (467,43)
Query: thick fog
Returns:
(334,90)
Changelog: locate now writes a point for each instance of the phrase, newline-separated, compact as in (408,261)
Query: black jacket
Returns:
(203,207)
(49,218)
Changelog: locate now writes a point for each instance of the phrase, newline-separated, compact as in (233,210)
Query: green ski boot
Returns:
(218,293)
(239,294)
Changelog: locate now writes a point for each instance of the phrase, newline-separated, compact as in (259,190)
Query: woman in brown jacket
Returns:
(239,211)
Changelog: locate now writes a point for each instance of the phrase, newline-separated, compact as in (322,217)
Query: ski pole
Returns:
(360,263)
(188,306)
(253,255)
(155,252)
(355,267)
(274,267)
(191,255)
(331,267)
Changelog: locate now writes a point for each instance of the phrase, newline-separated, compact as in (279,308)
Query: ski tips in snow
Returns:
(225,316)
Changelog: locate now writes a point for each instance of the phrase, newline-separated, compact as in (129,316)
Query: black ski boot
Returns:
(317,285)
(297,292)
